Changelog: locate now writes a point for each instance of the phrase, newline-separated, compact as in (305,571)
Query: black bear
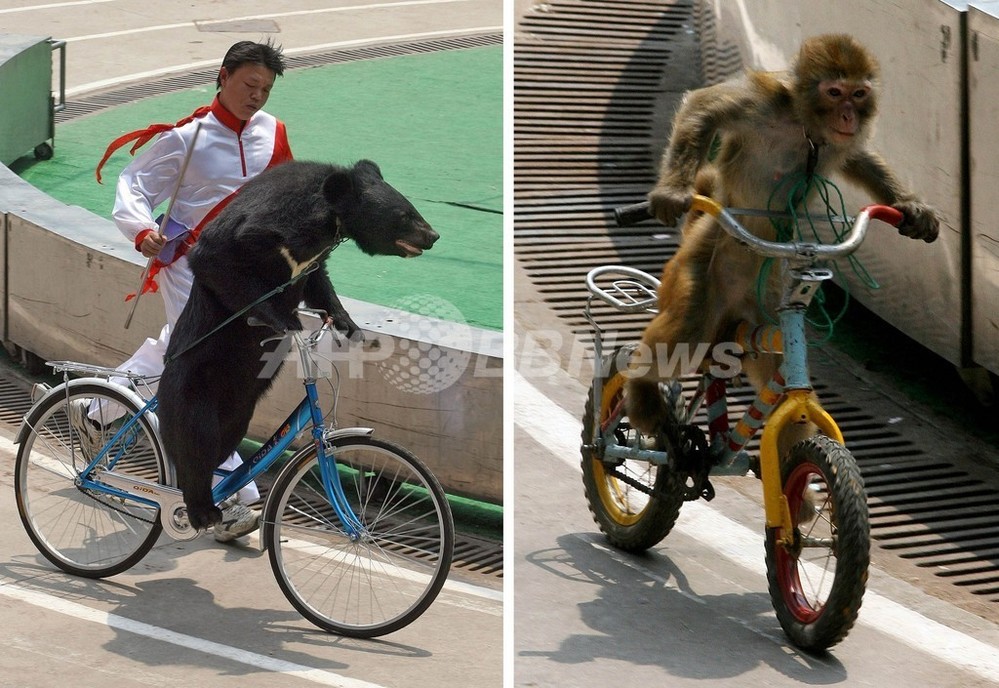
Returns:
(276,226)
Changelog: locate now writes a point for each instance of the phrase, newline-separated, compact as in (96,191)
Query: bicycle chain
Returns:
(113,507)
(632,482)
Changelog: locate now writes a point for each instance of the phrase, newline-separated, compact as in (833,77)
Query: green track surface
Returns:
(433,123)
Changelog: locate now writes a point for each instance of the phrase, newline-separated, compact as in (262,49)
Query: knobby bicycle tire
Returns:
(632,518)
(828,504)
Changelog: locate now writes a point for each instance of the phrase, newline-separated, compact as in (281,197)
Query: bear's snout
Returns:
(421,239)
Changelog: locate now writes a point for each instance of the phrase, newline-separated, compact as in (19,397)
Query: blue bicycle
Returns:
(358,531)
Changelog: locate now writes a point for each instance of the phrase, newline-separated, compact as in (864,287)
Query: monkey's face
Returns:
(843,108)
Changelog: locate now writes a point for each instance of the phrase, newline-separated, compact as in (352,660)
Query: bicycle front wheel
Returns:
(367,584)
(817,581)
(86,532)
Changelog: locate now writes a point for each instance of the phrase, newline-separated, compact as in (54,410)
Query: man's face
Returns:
(246,89)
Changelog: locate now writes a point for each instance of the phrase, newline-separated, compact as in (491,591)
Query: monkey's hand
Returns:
(920,221)
(668,203)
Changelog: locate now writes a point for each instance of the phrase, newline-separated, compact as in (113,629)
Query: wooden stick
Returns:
(163,222)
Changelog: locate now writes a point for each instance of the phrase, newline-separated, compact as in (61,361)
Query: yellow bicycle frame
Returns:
(798,406)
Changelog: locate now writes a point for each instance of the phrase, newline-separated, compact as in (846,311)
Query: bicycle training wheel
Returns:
(634,503)
(375,582)
(86,532)
(817,583)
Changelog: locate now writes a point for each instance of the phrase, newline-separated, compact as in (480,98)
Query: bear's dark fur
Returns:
(277,224)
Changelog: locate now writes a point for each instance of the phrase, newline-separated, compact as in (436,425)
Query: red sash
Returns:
(150,284)
(143,136)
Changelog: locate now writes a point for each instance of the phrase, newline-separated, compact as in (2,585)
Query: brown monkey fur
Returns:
(766,124)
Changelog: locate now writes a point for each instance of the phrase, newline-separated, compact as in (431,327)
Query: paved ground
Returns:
(199,613)
(694,610)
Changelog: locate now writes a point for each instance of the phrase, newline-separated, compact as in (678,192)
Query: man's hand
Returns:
(152,244)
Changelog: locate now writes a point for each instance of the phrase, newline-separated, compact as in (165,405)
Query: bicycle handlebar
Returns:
(316,335)
(628,215)
(302,339)
(641,211)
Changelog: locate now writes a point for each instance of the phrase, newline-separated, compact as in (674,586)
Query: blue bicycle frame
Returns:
(308,412)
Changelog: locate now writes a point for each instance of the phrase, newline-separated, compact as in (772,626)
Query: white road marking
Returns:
(235,654)
(558,431)
(492,599)
(180,68)
(193,22)
(52,6)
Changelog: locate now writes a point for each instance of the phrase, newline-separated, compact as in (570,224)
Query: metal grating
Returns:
(586,143)
(589,78)
(14,403)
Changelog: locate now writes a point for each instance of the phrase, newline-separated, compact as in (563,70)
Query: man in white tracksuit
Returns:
(236,141)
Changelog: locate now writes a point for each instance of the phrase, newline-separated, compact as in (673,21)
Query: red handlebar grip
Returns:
(885,213)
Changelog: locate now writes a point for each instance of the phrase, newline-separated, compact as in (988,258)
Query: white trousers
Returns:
(175,282)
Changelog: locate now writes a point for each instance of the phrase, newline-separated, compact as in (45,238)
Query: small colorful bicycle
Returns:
(817,530)
(358,530)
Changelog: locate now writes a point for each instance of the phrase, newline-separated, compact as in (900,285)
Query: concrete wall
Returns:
(983,66)
(65,272)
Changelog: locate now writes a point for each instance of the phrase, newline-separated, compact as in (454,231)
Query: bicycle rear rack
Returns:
(630,290)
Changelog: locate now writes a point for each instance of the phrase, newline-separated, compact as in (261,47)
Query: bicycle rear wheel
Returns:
(86,532)
(377,583)
(817,583)
(634,503)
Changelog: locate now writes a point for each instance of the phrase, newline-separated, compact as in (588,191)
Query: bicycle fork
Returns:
(330,476)
(797,405)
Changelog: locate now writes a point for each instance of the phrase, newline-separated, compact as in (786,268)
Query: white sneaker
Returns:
(87,432)
(237,521)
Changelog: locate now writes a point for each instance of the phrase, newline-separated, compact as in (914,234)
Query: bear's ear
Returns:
(338,185)
(368,168)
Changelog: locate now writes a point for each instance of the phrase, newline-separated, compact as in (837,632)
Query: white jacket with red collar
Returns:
(227,153)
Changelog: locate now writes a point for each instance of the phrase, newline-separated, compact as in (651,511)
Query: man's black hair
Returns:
(248,52)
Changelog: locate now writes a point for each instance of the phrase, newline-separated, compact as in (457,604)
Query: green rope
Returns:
(798,188)
(312,267)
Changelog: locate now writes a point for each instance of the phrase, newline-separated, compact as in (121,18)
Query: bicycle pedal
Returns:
(705,491)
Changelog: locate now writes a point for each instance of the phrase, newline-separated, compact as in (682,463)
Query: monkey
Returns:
(770,127)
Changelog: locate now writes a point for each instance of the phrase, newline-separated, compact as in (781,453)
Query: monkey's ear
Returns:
(338,185)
